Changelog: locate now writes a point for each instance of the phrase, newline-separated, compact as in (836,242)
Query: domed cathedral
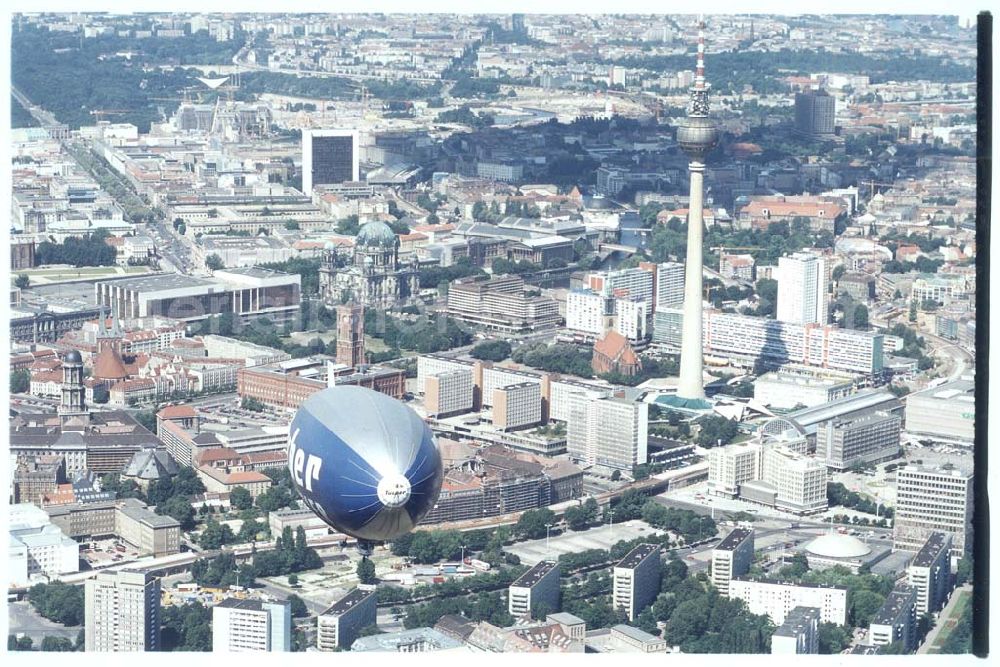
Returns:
(374,277)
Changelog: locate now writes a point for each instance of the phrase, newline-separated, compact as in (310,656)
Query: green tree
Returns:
(59,602)
(179,508)
(293,580)
(214,535)
(20,381)
(366,571)
(15,643)
(214,262)
(240,498)
(833,638)
(532,523)
(61,644)
(491,350)
(22,281)
(298,605)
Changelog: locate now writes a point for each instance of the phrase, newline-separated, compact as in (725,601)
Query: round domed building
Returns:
(838,549)
(374,276)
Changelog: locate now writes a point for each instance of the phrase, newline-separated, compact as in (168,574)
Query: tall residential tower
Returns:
(696,135)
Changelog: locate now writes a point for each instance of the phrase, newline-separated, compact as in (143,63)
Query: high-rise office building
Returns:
(802,289)
(448,392)
(537,588)
(865,439)
(697,136)
(338,626)
(732,557)
(329,156)
(932,500)
(636,580)
(122,612)
(896,621)
(517,405)
(351,334)
(815,113)
(610,431)
(254,626)
(930,573)
(799,634)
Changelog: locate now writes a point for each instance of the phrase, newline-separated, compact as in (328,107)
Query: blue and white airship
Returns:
(364,462)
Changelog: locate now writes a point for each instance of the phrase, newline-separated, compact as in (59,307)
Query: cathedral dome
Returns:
(376,234)
(73,357)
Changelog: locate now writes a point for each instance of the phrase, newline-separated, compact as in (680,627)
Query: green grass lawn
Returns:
(949,623)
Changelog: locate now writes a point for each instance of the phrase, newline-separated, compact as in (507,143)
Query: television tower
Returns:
(696,135)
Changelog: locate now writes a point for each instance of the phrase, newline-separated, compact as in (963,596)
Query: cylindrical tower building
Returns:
(696,135)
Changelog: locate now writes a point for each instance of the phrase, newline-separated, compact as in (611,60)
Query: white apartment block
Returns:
(930,500)
(251,626)
(429,364)
(561,392)
(610,432)
(585,312)
(669,285)
(338,626)
(777,599)
(448,392)
(632,318)
(744,339)
(507,172)
(731,558)
(517,405)
(122,612)
(623,283)
(802,289)
(930,573)
(731,466)
(496,377)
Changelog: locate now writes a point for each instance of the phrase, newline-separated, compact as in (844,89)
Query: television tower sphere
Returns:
(364,462)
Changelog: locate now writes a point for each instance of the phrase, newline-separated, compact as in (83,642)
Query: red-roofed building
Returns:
(821,213)
(223,469)
(613,354)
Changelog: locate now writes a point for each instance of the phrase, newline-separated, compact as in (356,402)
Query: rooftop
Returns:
(797,621)
(734,538)
(835,545)
(159,282)
(348,602)
(535,574)
(637,555)
(935,544)
(898,600)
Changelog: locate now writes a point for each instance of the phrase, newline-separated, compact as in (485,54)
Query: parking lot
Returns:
(600,537)
(106,552)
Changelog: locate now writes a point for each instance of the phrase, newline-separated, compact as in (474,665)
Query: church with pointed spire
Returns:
(108,364)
